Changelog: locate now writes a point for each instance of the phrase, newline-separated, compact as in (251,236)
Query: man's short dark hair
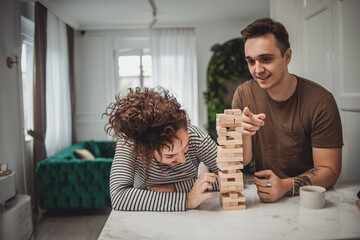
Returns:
(264,26)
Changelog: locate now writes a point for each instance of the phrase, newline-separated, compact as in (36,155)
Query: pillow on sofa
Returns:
(84,154)
(93,147)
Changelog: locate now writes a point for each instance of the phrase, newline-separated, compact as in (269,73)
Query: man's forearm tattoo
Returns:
(302,180)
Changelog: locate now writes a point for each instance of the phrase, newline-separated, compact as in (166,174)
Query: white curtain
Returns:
(58,108)
(174,66)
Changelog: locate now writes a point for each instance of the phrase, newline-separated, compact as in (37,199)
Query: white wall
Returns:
(11,134)
(94,69)
(286,12)
(95,76)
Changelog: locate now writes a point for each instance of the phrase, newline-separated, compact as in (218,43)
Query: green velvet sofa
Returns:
(66,181)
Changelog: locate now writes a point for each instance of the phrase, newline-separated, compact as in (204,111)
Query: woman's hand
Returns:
(197,194)
(162,188)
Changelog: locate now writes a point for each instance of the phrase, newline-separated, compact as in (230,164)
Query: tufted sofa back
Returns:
(64,181)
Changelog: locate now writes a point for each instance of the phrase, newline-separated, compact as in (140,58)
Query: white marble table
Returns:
(285,219)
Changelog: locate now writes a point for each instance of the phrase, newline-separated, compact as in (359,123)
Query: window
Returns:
(133,70)
(27,73)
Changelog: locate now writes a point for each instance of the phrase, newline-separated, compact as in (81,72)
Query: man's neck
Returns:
(285,89)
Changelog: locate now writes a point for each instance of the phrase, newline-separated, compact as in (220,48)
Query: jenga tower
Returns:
(229,159)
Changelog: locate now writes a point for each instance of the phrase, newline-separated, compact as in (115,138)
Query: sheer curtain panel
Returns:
(58,106)
(174,65)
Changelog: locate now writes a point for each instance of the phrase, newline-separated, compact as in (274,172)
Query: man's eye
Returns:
(250,62)
(266,59)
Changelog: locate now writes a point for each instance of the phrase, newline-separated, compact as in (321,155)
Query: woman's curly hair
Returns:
(147,120)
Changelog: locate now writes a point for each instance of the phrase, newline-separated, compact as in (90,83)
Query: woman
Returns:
(157,146)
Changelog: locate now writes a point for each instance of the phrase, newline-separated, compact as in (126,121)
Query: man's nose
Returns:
(259,68)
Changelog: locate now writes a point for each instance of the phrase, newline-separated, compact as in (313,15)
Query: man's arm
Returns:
(326,171)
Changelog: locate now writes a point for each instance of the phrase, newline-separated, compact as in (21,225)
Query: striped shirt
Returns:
(127,169)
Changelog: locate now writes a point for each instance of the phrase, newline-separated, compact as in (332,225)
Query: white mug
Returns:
(312,197)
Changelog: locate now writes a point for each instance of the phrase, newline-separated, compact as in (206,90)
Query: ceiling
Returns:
(117,14)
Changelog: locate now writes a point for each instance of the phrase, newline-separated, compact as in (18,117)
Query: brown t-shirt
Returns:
(309,118)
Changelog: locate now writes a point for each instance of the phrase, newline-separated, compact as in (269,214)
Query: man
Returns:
(292,127)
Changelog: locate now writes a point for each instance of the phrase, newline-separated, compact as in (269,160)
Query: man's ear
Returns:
(287,55)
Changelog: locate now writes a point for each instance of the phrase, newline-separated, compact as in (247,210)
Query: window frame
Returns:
(129,52)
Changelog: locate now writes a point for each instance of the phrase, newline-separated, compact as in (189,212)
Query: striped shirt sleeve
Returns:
(184,186)
(127,198)
(206,152)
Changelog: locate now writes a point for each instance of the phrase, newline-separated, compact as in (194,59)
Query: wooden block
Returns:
(232,184)
(226,155)
(238,120)
(220,130)
(225,150)
(224,166)
(238,137)
(231,189)
(229,112)
(231,171)
(236,112)
(221,116)
(228,124)
(223,122)
(230,133)
(230,142)
(225,174)
(241,206)
(228,159)
(232,177)
(232,197)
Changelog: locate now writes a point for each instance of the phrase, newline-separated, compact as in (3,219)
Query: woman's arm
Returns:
(127,198)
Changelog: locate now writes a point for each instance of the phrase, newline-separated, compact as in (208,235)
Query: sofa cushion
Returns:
(93,147)
(84,154)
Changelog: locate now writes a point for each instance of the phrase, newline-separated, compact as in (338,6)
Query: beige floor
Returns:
(72,225)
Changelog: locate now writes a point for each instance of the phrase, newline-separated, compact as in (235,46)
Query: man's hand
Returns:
(162,188)
(197,194)
(279,187)
(251,122)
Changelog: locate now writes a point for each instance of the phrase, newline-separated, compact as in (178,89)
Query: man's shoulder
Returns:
(314,95)
(248,87)
(311,87)
(248,84)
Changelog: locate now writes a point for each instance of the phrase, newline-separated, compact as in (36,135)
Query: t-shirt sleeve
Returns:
(125,197)
(326,124)
(237,102)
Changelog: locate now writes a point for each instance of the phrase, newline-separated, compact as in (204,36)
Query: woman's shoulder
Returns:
(196,132)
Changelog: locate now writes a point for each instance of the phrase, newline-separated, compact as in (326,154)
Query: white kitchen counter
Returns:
(285,219)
